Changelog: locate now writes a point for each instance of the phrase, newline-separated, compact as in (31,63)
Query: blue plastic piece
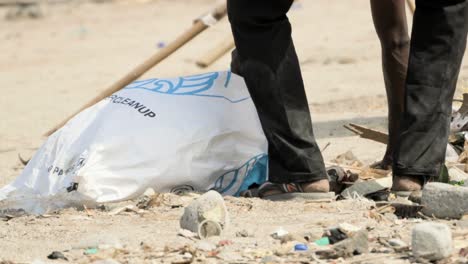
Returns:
(300,247)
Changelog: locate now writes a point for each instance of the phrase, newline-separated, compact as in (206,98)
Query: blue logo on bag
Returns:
(195,85)
(253,171)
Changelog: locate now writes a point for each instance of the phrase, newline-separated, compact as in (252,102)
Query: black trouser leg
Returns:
(437,46)
(266,58)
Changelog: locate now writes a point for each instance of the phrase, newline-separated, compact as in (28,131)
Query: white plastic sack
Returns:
(190,133)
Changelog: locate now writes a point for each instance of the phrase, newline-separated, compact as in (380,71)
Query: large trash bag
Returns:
(195,133)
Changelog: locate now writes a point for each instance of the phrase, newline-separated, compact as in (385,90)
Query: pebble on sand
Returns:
(431,241)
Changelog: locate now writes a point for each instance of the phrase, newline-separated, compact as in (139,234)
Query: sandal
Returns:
(291,191)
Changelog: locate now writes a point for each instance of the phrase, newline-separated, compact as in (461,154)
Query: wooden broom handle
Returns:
(199,26)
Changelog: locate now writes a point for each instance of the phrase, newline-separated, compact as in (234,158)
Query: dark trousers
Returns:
(437,46)
(266,58)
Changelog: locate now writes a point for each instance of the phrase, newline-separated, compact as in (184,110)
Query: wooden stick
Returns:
(217,52)
(368,133)
(199,26)
(411,5)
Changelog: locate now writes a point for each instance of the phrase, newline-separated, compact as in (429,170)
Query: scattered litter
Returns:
(161,44)
(335,235)
(301,247)
(431,241)
(91,251)
(279,233)
(207,215)
(324,241)
(364,188)
(340,179)
(344,246)
(57,255)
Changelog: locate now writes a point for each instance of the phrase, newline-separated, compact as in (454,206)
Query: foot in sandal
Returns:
(407,184)
(307,191)
(409,187)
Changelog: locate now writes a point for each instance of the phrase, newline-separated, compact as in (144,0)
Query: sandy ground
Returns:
(49,67)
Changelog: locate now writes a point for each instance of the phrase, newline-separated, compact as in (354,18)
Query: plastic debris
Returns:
(57,255)
(161,44)
(301,247)
(91,251)
(206,215)
(324,241)
(279,233)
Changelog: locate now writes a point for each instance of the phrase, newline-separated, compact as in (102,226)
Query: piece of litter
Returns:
(57,255)
(161,44)
(324,241)
(280,232)
(91,251)
(300,247)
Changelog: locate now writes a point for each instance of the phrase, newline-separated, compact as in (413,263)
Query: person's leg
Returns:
(438,43)
(390,23)
(266,58)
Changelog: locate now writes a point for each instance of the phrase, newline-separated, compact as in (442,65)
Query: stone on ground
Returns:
(431,241)
(444,200)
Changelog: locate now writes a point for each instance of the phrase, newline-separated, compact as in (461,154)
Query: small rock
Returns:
(57,255)
(432,241)
(444,200)
(206,215)
(397,243)
(243,233)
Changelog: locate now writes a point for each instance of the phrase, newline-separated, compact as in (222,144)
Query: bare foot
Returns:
(407,183)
